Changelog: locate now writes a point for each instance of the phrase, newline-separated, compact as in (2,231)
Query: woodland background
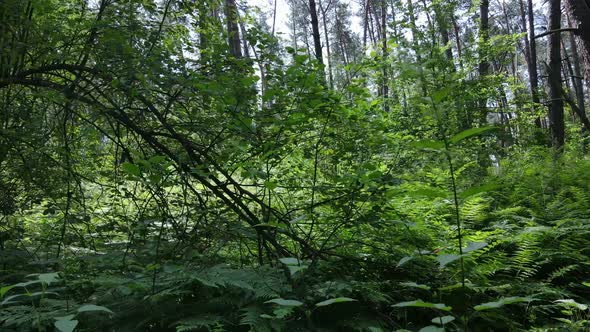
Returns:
(179,165)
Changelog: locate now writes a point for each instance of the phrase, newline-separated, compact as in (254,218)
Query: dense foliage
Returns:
(177,166)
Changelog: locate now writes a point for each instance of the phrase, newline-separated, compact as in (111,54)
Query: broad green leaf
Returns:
(413,284)
(48,278)
(157,159)
(571,304)
(587,284)
(296,268)
(286,303)
(429,144)
(470,133)
(501,302)
(68,317)
(270,185)
(28,283)
(5,289)
(422,304)
(431,328)
(65,325)
(374,329)
(92,307)
(335,300)
(472,246)
(9,298)
(404,260)
(446,259)
(131,169)
(443,320)
(289,260)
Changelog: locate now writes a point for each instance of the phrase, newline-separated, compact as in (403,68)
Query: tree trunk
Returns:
(534,74)
(484,65)
(580,10)
(317,43)
(384,73)
(530,61)
(556,121)
(457,31)
(233,30)
(328,54)
(577,78)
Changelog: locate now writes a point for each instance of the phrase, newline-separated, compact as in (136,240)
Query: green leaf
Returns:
(587,284)
(501,302)
(131,169)
(404,260)
(92,307)
(422,304)
(431,328)
(571,304)
(446,259)
(443,320)
(334,300)
(429,144)
(480,189)
(289,260)
(270,185)
(472,246)
(470,133)
(5,289)
(296,268)
(65,325)
(48,278)
(286,303)
(157,159)
(374,329)
(428,192)
(413,284)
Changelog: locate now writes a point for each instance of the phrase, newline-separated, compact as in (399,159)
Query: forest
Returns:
(294,165)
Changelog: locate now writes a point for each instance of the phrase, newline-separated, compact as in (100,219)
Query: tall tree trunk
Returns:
(531,64)
(457,31)
(484,65)
(556,120)
(415,33)
(317,43)
(441,17)
(385,74)
(533,72)
(233,30)
(577,71)
(328,51)
(580,10)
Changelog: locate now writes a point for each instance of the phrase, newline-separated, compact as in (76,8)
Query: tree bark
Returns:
(384,73)
(484,65)
(326,35)
(580,10)
(577,77)
(315,31)
(556,118)
(233,30)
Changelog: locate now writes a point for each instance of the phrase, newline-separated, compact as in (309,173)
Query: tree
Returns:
(315,28)
(580,10)
(556,116)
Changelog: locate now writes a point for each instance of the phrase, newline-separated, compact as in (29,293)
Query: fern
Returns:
(209,322)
